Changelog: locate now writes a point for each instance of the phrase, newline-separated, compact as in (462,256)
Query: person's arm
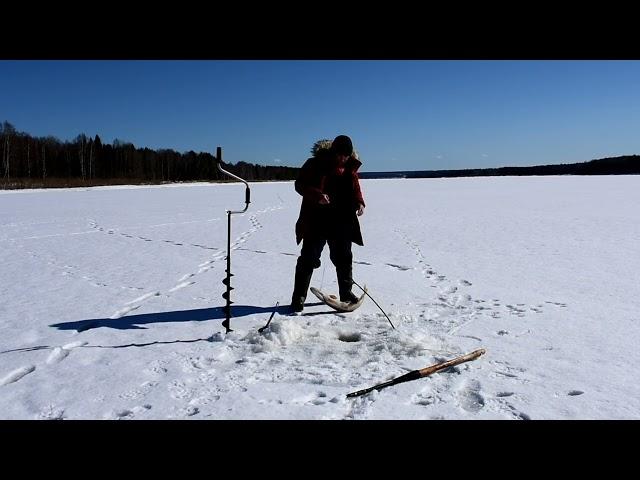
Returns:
(307,184)
(358,194)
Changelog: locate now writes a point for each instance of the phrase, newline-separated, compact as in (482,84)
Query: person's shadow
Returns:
(130,322)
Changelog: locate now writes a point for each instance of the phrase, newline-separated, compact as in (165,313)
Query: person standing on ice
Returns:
(331,204)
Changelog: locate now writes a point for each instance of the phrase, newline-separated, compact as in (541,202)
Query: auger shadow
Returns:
(137,322)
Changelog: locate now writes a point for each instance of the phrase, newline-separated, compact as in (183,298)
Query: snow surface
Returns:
(110,303)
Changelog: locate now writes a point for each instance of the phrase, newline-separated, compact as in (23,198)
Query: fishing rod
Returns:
(367,293)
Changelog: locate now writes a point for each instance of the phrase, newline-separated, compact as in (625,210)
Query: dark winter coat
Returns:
(319,176)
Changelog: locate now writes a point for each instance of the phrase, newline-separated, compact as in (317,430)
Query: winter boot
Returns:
(301,286)
(297,303)
(345,282)
(349,297)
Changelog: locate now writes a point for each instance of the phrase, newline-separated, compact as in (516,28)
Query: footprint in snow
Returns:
(316,398)
(504,394)
(122,312)
(143,297)
(50,412)
(321,399)
(125,413)
(399,267)
(188,411)
(469,397)
(57,355)
(423,399)
(180,286)
(17,374)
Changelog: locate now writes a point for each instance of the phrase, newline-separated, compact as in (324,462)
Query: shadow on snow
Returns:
(135,322)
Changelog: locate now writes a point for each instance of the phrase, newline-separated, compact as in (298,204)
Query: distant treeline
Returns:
(625,165)
(29,162)
(36,162)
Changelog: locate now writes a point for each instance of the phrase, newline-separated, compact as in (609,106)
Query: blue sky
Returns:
(401,115)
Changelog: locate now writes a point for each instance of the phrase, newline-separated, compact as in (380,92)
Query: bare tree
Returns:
(91,160)
(44,163)
(28,160)
(8,131)
(82,140)
(5,157)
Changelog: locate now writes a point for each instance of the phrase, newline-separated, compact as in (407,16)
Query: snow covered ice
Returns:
(111,303)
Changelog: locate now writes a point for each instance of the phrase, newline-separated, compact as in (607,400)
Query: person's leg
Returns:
(342,258)
(308,260)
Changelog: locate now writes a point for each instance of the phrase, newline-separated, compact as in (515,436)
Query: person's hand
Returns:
(360,210)
(324,200)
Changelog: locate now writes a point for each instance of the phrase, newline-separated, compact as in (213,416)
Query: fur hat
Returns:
(324,145)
